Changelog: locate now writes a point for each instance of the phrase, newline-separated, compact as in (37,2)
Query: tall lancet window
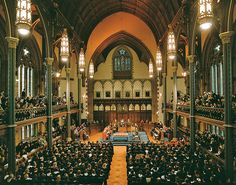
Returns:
(25,75)
(216,72)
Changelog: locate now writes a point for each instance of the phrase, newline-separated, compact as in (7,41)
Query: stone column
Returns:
(192,60)
(158,95)
(154,98)
(79,96)
(90,98)
(164,99)
(68,103)
(227,39)
(175,67)
(11,122)
(49,97)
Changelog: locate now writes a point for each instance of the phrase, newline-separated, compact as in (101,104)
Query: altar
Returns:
(125,138)
(120,136)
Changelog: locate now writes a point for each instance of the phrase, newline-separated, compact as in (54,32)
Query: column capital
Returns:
(12,42)
(191,58)
(68,70)
(79,75)
(226,37)
(49,60)
(174,68)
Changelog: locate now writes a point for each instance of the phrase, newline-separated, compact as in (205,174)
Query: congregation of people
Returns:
(28,102)
(212,142)
(3,159)
(161,132)
(208,99)
(153,164)
(27,146)
(67,162)
(81,132)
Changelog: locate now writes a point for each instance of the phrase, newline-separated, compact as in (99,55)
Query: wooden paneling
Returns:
(133,116)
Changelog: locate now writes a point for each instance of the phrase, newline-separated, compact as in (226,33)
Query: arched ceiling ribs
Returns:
(121,38)
(84,15)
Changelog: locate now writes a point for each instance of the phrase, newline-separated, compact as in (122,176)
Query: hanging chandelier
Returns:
(91,69)
(64,46)
(158,60)
(23,17)
(150,69)
(205,14)
(81,60)
(171,52)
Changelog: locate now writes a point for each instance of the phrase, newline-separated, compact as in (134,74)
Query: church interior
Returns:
(117,92)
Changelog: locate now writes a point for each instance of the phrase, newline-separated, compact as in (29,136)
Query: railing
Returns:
(58,108)
(209,112)
(29,113)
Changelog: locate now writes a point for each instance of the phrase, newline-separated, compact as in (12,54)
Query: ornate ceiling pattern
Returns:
(84,15)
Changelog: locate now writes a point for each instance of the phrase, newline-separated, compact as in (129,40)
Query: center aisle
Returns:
(118,171)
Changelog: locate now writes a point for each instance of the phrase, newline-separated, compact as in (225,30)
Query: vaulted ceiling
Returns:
(84,15)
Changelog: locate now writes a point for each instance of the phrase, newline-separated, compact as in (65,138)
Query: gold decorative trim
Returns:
(68,70)
(49,60)
(191,58)
(226,37)
(12,42)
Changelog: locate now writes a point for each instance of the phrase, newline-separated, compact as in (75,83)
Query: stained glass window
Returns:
(122,61)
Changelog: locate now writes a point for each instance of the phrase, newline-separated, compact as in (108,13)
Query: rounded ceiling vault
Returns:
(121,38)
(84,15)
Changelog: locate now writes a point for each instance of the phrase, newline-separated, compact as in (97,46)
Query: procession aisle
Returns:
(118,171)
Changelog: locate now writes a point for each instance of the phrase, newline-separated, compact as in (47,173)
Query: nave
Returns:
(87,86)
(93,161)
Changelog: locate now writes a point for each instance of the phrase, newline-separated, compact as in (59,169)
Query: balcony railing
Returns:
(209,112)
(29,113)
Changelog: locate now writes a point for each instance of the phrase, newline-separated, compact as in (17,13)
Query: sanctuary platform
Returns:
(125,138)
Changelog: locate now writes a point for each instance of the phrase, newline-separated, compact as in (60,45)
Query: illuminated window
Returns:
(216,70)
(122,64)
(25,75)
(217,78)
(22,133)
(32,130)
